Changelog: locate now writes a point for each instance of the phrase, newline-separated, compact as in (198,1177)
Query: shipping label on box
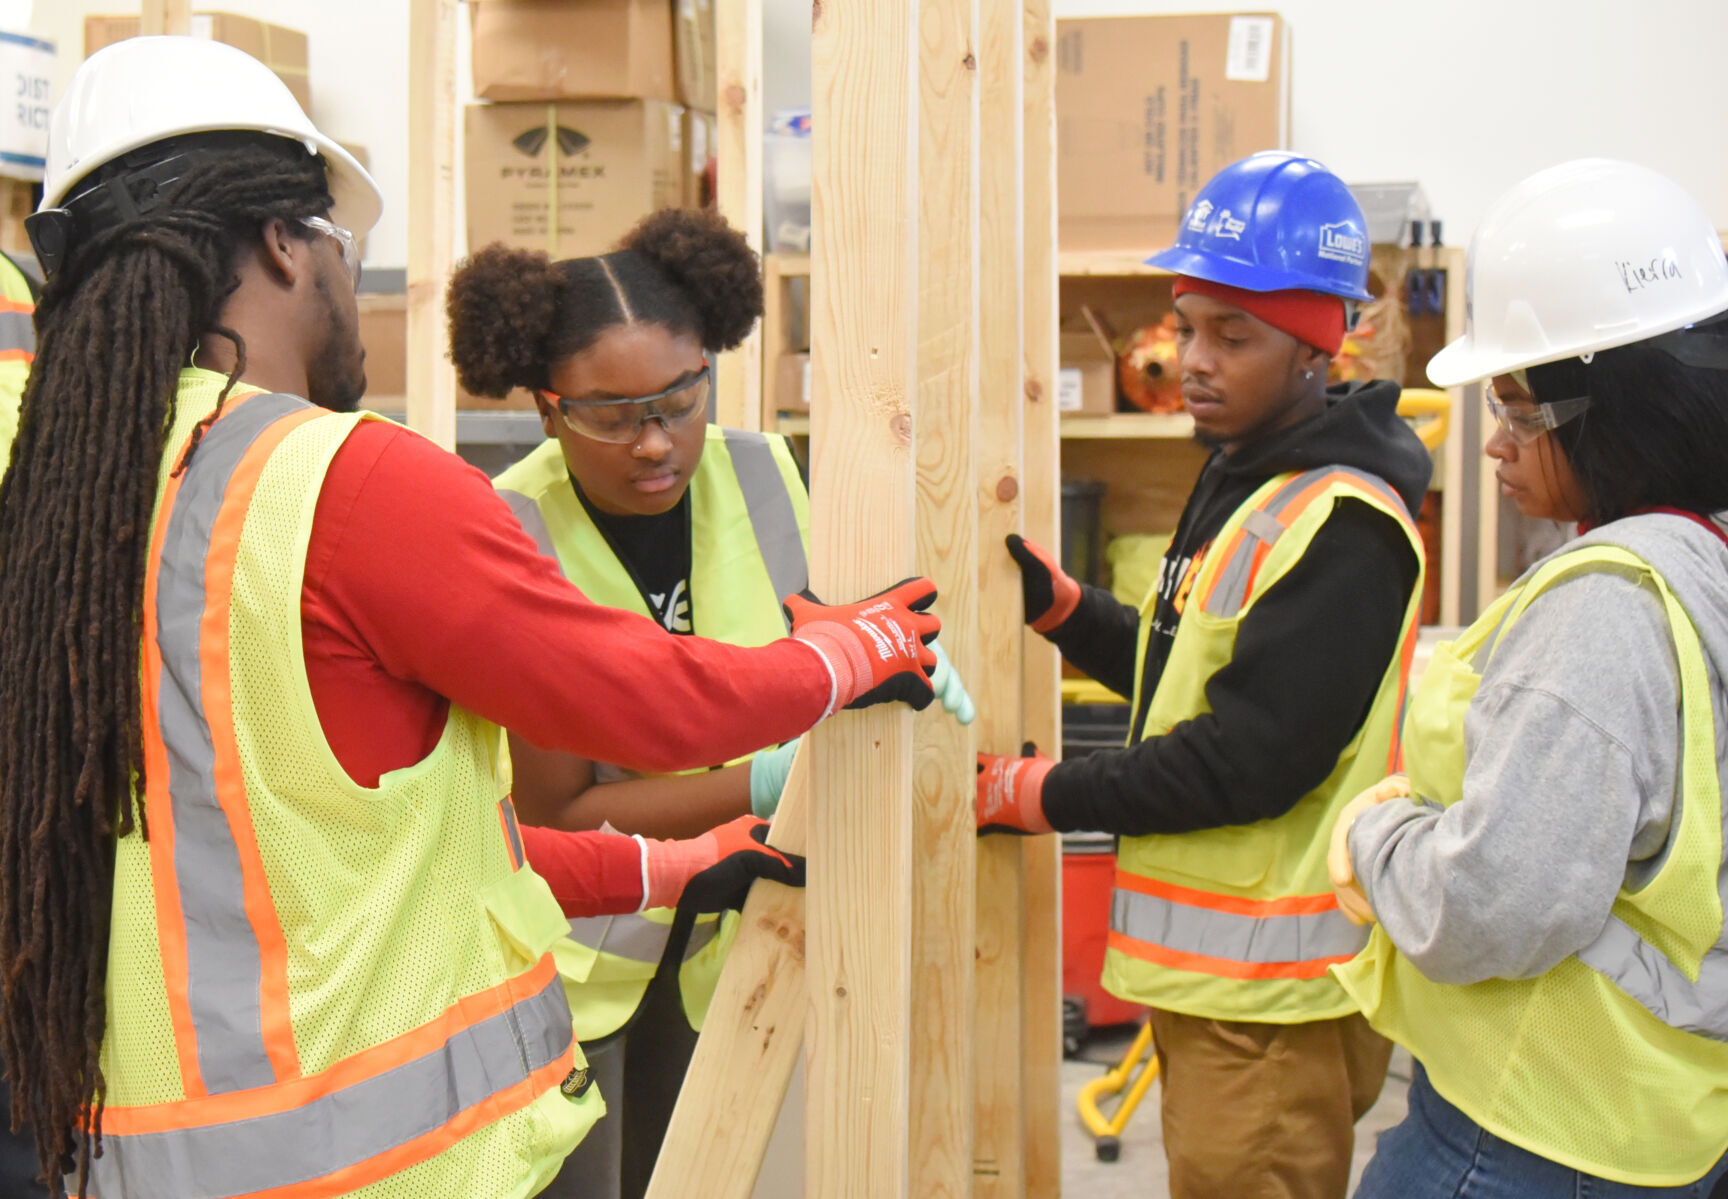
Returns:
(601,165)
(27,75)
(1150,108)
(1086,381)
(558,50)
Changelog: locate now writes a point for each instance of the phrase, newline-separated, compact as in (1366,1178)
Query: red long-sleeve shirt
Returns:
(421,590)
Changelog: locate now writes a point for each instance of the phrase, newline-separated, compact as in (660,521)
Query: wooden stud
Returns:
(750,1040)
(863,376)
(738,52)
(946,422)
(999,1165)
(166,16)
(1041,878)
(432,233)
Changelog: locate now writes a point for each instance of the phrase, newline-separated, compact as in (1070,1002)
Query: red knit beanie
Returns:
(1309,316)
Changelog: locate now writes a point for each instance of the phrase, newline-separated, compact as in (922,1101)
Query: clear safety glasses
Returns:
(1524,419)
(349,243)
(621,421)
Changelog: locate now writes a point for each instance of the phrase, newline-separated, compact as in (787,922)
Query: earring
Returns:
(1307,374)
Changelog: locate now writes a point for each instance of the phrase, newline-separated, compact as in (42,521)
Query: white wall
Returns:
(1466,96)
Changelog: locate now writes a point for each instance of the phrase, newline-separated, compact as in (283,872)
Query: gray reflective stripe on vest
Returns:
(1264,527)
(1189,929)
(224,963)
(17,332)
(636,937)
(1647,975)
(344,1127)
(772,516)
(533,522)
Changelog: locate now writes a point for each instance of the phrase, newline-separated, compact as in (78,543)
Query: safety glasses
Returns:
(349,243)
(621,421)
(1524,419)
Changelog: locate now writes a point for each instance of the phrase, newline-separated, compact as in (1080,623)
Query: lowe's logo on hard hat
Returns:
(1343,242)
(1197,216)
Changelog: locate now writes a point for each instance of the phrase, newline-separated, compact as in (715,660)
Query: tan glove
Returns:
(1351,901)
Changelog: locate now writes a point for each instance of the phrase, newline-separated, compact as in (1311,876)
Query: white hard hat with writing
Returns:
(1585,256)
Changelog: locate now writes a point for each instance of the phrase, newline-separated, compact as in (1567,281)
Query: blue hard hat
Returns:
(1273,221)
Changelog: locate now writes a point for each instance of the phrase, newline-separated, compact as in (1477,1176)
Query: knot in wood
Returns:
(1040,49)
(1034,391)
(815,13)
(1007,487)
(901,424)
(735,97)
(970,62)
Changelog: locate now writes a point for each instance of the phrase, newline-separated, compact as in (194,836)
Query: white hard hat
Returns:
(1581,257)
(145,89)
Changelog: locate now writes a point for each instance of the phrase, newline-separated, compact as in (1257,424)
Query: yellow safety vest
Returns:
(749,538)
(1615,1062)
(1240,923)
(17,349)
(314,988)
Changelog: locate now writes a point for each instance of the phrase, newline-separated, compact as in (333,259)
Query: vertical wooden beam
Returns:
(738,55)
(946,423)
(432,234)
(864,321)
(166,16)
(1041,879)
(999,1165)
(750,1041)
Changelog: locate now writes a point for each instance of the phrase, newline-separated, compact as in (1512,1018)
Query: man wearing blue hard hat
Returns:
(1266,672)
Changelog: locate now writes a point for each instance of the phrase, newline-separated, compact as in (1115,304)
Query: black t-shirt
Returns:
(655,551)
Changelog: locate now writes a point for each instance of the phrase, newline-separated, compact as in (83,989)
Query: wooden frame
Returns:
(432,232)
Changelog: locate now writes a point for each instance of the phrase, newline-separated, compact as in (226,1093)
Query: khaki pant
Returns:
(1264,1111)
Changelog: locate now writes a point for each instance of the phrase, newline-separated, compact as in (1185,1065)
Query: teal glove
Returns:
(768,771)
(949,689)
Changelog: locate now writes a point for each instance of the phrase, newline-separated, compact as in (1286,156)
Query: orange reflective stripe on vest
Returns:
(17,331)
(1296,936)
(251,1123)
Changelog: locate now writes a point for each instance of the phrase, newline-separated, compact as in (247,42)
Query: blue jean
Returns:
(1438,1152)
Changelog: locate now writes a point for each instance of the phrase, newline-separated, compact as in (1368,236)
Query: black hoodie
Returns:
(1309,654)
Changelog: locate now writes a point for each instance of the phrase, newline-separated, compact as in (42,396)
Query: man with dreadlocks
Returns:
(266,923)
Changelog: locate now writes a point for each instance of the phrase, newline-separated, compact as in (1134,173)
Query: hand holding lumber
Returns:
(876,648)
(1011,792)
(1049,592)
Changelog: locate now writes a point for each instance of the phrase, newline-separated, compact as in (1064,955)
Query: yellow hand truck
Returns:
(1134,1074)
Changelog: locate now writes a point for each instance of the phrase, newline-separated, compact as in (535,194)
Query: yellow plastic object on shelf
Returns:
(1088,691)
(1432,410)
(1134,1074)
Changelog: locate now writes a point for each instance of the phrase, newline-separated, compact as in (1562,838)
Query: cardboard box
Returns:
(616,161)
(1149,108)
(1086,379)
(792,383)
(384,333)
(281,49)
(27,75)
(563,50)
(693,49)
(701,143)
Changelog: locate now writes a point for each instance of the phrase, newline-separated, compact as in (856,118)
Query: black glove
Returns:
(1049,593)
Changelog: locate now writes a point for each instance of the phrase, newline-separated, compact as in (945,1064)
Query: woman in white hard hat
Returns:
(280,639)
(1548,879)
(645,506)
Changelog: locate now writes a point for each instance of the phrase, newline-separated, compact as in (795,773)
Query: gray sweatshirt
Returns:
(1573,746)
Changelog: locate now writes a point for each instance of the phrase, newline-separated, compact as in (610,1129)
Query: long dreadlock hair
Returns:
(114,329)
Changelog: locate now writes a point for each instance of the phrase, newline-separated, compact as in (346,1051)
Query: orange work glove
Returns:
(1049,592)
(877,649)
(672,866)
(1011,792)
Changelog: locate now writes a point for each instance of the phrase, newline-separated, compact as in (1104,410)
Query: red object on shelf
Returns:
(1087,882)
